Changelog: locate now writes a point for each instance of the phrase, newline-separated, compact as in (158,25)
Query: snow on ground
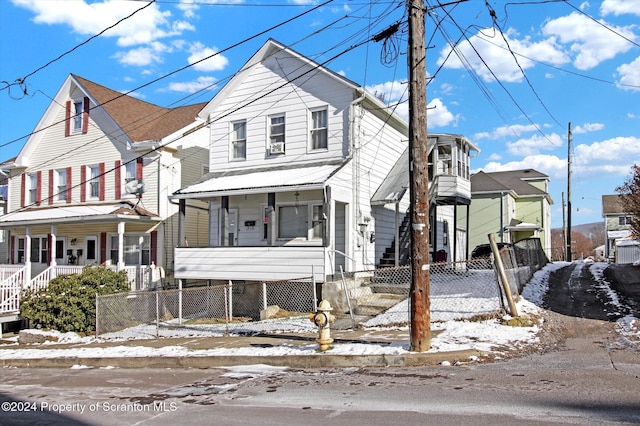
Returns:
(449,335)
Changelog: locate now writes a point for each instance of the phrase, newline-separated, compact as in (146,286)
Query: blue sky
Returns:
(512,85)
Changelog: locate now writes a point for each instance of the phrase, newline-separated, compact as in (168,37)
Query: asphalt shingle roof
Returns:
(140,120)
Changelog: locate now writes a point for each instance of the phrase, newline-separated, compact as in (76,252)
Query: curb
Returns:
(292,361)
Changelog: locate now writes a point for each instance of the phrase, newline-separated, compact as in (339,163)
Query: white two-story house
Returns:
(91,184)
(298,155)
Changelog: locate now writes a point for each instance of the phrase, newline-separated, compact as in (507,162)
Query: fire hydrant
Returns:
(322,318)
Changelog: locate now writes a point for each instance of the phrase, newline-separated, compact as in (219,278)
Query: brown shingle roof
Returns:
(140,120)
(612,204)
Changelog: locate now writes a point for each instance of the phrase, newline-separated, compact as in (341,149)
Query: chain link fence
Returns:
(237,307)
(374,298)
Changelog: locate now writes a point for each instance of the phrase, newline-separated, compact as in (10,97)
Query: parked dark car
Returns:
(483,251)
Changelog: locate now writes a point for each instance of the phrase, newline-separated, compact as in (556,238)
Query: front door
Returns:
(91,250)
(233,227)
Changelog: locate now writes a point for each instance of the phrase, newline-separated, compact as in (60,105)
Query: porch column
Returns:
(224,220)
(454,255)
(54,231)
(120,265)
(27,252)
(397,236)
(271,219)
(182,209)
(328,220)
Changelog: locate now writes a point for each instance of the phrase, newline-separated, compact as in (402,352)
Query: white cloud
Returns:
(201,83)
(587,128)
(141,56)
(390,91)
(535,144)
(91,18)
(438,115)
(199,52)
(590,42)
(507,131)
(495,53)
(614,155)
(619,7)
(630,75)
(550,165)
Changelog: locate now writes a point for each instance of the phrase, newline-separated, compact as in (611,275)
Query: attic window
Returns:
(77,115)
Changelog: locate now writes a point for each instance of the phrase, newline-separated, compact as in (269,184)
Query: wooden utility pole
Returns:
(568,240)
(419,180)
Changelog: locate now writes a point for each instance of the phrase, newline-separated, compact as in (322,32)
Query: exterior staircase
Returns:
(388,257)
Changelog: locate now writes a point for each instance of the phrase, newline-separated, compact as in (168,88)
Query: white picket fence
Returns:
(13,281)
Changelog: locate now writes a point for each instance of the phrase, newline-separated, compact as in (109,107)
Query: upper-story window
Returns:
(239,140)
(130,171)
(444,160)
(463,161)
(78,117)
(276,134)
(61,185)
(319,129)
(624,220)
(32,189)
(94,181)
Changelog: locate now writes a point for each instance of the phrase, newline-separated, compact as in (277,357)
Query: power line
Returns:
(184,67)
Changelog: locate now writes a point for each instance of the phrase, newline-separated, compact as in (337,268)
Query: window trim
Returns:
(313,129)
(233,140)
(60,194)
(77,116)
(93,180)
(271,135)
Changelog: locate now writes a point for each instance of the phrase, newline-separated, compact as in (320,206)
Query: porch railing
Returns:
(10,289)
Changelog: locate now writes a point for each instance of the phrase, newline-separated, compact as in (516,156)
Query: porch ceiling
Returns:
(72,214)
(253,181)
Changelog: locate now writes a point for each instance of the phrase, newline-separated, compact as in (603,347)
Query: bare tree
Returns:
(629,193)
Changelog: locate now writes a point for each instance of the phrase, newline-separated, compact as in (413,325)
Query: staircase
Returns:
(389,255)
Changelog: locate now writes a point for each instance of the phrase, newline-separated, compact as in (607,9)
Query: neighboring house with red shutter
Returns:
(90,186)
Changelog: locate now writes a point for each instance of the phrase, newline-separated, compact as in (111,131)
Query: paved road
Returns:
(589,378)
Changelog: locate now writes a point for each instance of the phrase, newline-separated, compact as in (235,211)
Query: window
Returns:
(319,129)
(94,181)
(39,250)
(444,160)
(302,221)
(624,220)
(78,110)
(317,222)
(276,134)
(32,190)
(61,185)
(204,169)
(129,172)
(239,140)
(20,253)
(136,250)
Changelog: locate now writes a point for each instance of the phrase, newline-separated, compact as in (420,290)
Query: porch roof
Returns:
(281,178)
(393,188)
(73,214)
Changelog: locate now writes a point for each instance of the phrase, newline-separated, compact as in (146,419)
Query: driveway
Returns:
(594,290)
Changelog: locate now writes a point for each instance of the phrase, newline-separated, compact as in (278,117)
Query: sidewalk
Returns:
(351,348)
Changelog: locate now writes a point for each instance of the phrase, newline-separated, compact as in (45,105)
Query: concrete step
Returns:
(376,303)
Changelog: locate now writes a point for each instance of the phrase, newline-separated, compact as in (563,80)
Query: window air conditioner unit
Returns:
(277,148)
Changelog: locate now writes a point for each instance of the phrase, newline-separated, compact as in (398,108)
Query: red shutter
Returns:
(85,115)
(12,250)
(51,186)
(118,188)
(49,249)
(69,185)
(103,247)
(83,184)
(139,174)
(67,119)
(102,181)
(154,247)
(38,187)
(23,190)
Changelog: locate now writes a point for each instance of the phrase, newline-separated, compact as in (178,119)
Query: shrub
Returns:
(69,302)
